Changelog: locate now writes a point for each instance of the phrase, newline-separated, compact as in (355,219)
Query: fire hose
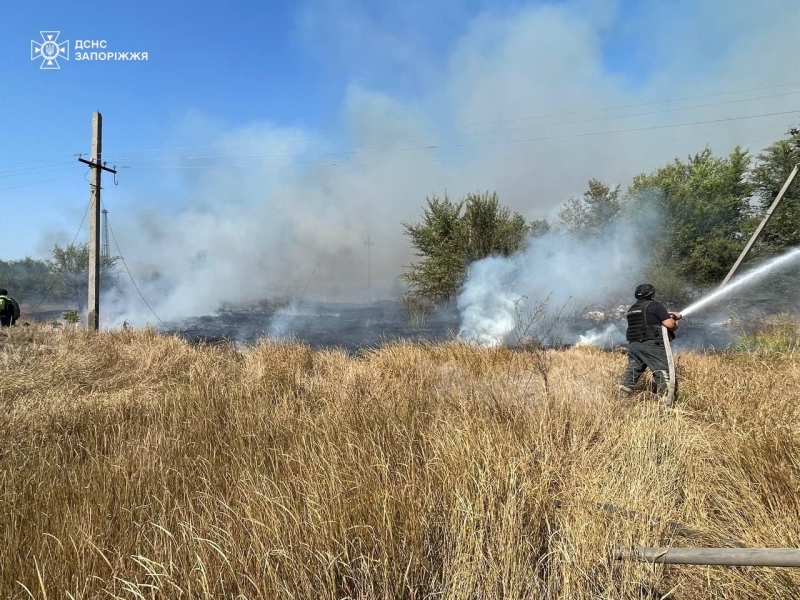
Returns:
(670,399)
(671,364)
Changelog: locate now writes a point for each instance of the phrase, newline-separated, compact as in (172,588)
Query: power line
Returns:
(125,264)
(469,157)
(36,160)
(514,141)
(464,124)
(59,170)
(27,169)
(432,127)
(576,112)
(469,133)
(465,156)
(36,183)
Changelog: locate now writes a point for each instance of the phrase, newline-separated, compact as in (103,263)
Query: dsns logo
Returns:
(49,50)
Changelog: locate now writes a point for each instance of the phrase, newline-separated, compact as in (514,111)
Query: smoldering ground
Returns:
(358,327)
(352,327)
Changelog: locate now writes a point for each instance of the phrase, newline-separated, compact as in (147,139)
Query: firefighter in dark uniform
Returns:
(8,314)
(645,340)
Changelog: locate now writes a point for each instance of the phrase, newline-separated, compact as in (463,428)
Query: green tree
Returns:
(27,279)
(70,269)
(783,230)
(590,214)
(454,234)
(539,227)
(768,177)
(435,239)
(487,228)
(703,214)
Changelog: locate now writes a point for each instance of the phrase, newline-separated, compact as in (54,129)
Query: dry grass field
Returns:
(134,465)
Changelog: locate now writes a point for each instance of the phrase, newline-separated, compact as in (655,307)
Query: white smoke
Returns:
(567,274)
(611,334)
(490,303)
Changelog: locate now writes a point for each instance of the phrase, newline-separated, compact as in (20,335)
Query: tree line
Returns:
(63,278)
(707,207)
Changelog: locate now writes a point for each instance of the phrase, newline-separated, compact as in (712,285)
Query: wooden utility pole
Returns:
(97,167)
(766,218)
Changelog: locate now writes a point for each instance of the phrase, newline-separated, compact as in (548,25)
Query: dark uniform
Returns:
(6,311)
(646,345)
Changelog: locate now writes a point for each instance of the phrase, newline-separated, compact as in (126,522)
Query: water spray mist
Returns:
(756,274)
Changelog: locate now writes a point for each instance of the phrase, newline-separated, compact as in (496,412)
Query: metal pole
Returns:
(741,557)
(766,218)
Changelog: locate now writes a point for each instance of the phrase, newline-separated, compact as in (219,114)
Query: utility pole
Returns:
(766,218)
(793,132)
(369,245)
(94,220)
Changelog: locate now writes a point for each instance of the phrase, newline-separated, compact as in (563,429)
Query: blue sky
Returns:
(238,65)
(226,72)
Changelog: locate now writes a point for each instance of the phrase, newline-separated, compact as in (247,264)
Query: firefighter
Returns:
(9,309)
(646,342)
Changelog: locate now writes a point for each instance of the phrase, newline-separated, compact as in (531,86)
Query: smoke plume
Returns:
(285,211)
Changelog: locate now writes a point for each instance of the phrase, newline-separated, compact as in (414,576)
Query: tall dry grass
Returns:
(137,466)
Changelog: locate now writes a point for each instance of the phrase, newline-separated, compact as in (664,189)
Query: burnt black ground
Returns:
(351,327)
(356,327)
